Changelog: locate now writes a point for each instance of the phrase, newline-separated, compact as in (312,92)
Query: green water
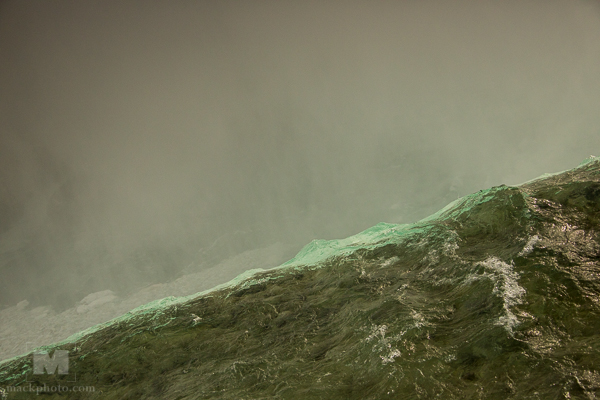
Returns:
(494,297)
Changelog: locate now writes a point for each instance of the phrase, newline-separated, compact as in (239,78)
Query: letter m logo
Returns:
(59,360)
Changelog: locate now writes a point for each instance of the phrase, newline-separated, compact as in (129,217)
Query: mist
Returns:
(142,140)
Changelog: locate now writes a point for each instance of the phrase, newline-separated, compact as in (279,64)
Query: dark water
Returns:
(494,297)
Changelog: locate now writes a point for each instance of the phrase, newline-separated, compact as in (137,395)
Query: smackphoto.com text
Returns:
(5,391)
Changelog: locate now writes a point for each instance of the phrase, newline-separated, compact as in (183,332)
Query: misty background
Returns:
(144,140)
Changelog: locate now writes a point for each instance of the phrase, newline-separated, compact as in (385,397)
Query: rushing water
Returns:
(494,297)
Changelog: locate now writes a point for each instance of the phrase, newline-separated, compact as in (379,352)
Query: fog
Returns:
(143,140)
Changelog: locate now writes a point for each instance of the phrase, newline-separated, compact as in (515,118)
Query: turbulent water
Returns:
(494,297)
(25,327)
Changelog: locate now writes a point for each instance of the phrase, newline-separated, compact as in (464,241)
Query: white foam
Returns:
(383,344)
(530,245)
(507,287)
